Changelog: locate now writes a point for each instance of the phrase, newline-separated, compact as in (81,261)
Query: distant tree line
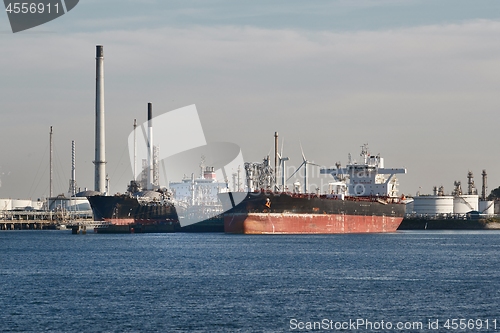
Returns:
(495,194)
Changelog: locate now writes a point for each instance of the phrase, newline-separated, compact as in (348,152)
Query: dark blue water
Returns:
(53,281)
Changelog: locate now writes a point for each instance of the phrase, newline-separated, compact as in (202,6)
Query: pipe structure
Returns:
(100,153)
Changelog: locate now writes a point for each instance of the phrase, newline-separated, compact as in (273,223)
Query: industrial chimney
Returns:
(485,185)
(150,147)
(100,153)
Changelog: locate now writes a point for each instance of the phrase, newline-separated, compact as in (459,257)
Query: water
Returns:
(53,281)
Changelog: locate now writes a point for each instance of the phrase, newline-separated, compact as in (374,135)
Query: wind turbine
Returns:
(304,163)
(282,166)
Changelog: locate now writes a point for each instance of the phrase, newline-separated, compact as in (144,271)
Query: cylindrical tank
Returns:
(5,204)
(487,207)
(433,204)
(73,204)
(37,205)
(463,204)
(409,206)
(20,203)
(78,204)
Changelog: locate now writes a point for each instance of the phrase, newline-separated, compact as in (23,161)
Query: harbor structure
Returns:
(456,205)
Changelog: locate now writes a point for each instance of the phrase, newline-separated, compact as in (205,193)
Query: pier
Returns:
(38,220)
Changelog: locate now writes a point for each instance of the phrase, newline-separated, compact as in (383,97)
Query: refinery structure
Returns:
(460,203)
(55,210)
(52,211)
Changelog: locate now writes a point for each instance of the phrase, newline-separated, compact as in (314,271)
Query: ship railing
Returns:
(371,198)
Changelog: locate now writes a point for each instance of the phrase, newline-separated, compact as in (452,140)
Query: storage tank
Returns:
(5,204)
(37,205)
(463,204)
(20,204)
(433,204)
(487,207)
(73,204)
(78,204)
(409,206)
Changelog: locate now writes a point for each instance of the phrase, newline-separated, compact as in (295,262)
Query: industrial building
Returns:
(455,205)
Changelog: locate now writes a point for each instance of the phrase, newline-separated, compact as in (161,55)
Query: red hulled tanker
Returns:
(363,199)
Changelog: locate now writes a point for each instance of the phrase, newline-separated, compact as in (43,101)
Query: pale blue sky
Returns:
(417,80)
(343,15)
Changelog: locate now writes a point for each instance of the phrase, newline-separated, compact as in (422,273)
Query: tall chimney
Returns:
(150,146)
(100,153)
(50,164)
(135,150)
(276,161)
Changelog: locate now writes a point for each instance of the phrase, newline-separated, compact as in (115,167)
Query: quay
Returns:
(40,220)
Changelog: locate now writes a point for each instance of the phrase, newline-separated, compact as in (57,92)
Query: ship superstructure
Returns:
(197,203)
(202,190)
(368,178)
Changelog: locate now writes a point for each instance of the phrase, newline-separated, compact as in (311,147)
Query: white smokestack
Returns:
(100,153)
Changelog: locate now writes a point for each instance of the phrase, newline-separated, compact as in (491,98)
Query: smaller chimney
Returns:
(150,147)
(485,185)
(276,158)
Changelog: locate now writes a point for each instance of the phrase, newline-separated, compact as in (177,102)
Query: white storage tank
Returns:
(78,204)
(409,206)
(463,204)
(433,204)
(5,204)
(38,205)
(73,204)
(20,204)
(487,207)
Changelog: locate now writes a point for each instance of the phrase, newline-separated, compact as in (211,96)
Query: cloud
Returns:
(419,83)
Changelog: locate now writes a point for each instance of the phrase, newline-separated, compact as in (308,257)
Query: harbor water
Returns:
(53,281)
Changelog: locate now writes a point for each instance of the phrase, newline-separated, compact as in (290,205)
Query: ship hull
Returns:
(214,224)
(136,228)
(124,214)
(283,213)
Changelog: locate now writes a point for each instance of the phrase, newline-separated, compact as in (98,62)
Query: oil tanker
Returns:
(190,206)
(135,212)
(362,199)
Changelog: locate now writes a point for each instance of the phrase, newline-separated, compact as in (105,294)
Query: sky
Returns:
(416,80)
